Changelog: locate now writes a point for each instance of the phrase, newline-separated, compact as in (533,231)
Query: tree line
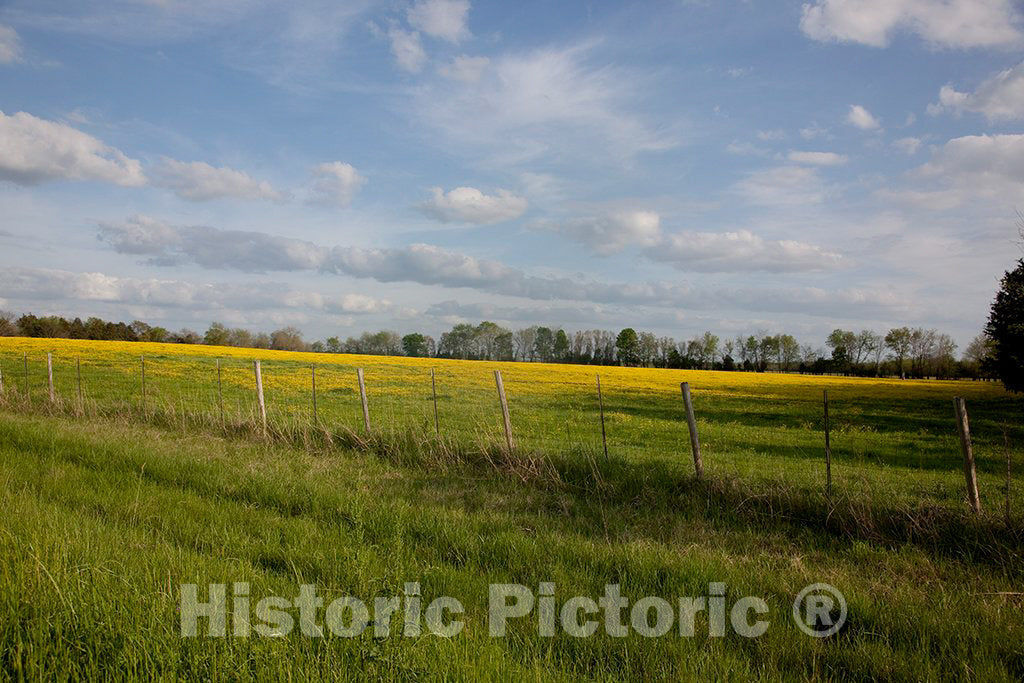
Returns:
(902,351)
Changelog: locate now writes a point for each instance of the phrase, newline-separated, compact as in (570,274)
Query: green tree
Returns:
(561,346)
(287,339)
(216,335)
(1006,329)
(898,341)
(628,346)
(414,344)
(544,344)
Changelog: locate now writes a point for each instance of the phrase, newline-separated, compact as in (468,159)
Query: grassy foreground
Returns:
(104,520)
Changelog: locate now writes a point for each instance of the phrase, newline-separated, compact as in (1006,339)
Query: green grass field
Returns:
(109,511)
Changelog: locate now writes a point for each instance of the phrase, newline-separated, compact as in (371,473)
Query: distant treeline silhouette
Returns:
(902,351)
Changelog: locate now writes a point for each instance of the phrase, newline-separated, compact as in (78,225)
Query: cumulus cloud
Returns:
(198,181)
(818,158)
(444,19)
(465,68)
(986,167)
(52,284)
(739,251)
(470,205)
(430,265)
(973,168)
(407,49)
(34,150)
(335,183)
(208,247)
(425,264)
(999,98)
(861,118)
(10,45)
(611,232)
(945,23)
(783,186)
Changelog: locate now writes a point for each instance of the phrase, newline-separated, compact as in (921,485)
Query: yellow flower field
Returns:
(886,433)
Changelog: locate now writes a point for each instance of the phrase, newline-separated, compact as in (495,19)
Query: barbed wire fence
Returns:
(581,415)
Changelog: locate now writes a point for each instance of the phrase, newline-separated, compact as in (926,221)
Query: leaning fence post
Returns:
(828,452)
(259,395)
(504,409)
(965,442)
(691,422)
(49,373)
(362,397)
(600,403)
(433,390)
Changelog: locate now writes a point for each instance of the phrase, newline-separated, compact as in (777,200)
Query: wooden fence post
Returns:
(259,395)
(26,378)
(142,366)
(78,383)
(504,409)
(600,403)
(965,442)
(220,395)
(362,397)
(691,421)
(312,368)
(828,452)
(49,374)
(1,381)
(433,390)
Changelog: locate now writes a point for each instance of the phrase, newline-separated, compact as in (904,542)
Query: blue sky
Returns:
(672,166)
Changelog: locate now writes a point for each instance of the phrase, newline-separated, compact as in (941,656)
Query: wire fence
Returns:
(904,447)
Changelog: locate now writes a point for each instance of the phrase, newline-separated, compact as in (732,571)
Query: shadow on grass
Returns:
(596,487)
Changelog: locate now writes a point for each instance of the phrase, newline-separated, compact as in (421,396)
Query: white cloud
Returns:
(611,232)
(444,19)
(543,103)
(988,167)
(52,284)
(738,252)
(909,145)
(999,98)
(431,265)
(198,181)
(336,183)
(862,118)
(465,68)
(946,23)
(470,205)
(818,158)
(976,168)
(211,248)
(407,49)
(34,150)
(10,45)
(784,186)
